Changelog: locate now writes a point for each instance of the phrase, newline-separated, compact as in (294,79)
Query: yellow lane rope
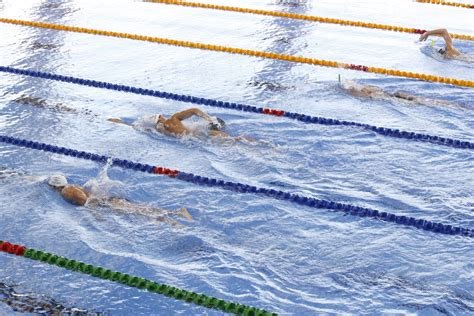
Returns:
(241,51)
(453,4)
(305,17)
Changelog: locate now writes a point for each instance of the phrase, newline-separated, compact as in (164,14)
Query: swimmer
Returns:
(41,103)
(80,196)
(292,3)
(376,93)
(36,304)
(174,126)
(449,51)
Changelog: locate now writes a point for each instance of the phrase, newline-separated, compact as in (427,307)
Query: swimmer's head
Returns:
(57,181)
(217,124)
(405,96)
(160,118)
(160,121)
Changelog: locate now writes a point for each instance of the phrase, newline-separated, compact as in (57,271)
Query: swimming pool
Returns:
(255,250)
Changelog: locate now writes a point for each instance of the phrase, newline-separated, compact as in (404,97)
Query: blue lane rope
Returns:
(244,188)
(391,132)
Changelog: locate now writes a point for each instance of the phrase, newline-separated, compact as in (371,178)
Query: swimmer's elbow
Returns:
(446,36)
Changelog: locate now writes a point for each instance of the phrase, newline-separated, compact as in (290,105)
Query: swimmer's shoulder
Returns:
(74,194)
(75,188)
(175,127)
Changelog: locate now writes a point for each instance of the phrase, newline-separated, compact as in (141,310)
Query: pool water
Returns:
(251,249)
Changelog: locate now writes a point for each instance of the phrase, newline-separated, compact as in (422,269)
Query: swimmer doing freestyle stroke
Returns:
(27,302)
(376,93)
(174,126)
(80,196)
(449,51)
(373,92)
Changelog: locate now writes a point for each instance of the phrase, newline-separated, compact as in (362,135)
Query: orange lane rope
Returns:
(453,4)
(248,52)
(304,17)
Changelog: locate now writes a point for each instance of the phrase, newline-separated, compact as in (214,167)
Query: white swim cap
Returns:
(57,180)
(149,121)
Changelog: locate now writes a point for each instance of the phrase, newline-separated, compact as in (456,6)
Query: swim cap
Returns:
(217,124)
(57,180)
(148,122)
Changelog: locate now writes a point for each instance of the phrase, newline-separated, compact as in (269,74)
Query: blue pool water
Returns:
(246,248)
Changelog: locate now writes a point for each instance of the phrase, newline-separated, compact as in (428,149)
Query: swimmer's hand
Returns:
(424,36)
(180,212)
(117,120)
(184,213)
(169,221)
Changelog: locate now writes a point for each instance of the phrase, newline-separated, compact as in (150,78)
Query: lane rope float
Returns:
(453,4)
(390,132)
(311,18)
(247,52)
(132,281)
(245,188)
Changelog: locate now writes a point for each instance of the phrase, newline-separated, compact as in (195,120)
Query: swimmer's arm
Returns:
(117,120)
(191,112)
(439,32)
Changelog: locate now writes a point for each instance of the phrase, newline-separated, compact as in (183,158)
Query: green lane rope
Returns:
(133,281)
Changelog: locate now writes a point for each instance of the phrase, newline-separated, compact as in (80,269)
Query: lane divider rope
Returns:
(132,281)
(304,17)
(247,52)
(244,188)
(453,4)
(390,132)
